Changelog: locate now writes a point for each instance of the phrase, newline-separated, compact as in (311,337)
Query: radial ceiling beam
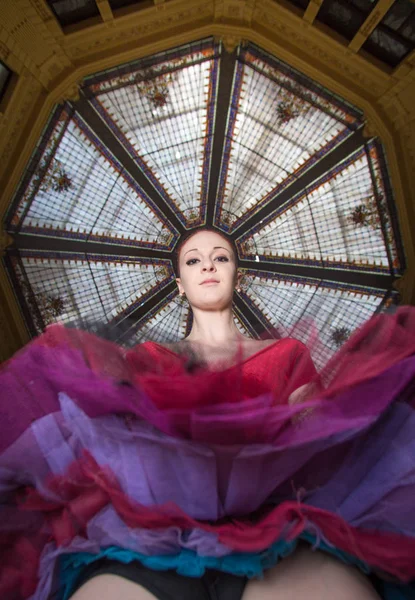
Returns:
(256,324)
(141,311)
(223,102)
(24,241)
(312,10)
(350,277)
(87,112)
(331,160)
(369,25)
(105,10)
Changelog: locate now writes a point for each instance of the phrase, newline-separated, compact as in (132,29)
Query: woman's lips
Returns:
(209,281)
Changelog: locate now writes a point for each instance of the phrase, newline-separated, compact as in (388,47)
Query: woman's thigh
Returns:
(111,587)
(309,575)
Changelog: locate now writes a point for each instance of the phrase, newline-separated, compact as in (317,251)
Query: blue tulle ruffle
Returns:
(188,563)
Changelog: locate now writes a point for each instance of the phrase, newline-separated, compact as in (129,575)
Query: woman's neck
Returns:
(214,328)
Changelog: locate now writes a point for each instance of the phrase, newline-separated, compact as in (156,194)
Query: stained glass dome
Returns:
(196,135)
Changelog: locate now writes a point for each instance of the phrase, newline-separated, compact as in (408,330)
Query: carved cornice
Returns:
(16,118)
(234,11)
(71,93)
(371,129)
(230,42)
(133,27)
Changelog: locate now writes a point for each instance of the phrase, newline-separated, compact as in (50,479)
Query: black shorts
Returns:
(169,585)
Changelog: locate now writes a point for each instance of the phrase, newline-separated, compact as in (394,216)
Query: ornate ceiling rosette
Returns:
(196,135)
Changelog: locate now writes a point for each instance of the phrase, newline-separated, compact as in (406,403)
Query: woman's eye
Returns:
(191,261)
(222,258)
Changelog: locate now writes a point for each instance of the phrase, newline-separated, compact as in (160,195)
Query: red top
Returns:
(280,367)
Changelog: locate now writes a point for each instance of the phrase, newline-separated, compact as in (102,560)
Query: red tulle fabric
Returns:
(380,343)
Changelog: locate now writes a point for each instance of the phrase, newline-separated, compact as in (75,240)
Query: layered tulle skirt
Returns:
(93,464)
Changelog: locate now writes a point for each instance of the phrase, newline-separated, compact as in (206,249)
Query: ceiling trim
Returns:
(105,10)
(311,11)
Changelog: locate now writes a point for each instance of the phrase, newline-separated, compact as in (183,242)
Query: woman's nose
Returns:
(209,266)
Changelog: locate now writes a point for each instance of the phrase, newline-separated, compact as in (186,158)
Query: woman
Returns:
(217,456)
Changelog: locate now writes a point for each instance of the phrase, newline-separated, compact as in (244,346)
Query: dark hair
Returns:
(191,233)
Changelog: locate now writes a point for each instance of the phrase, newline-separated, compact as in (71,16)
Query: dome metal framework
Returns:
(196,135)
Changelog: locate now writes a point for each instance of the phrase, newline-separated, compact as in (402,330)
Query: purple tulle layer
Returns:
(365,461)
(364,473)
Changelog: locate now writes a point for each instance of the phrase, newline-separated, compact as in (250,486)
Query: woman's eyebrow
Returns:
(215,248)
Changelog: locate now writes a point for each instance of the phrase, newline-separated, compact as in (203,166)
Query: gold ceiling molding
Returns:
(406,67)
(241,11)
(5,241)
(23,112)
(371,129)
(14,333)
(105,10)
(230,42)
(48,18)
(30,40)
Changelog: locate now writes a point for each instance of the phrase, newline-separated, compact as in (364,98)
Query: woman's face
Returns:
(208,274)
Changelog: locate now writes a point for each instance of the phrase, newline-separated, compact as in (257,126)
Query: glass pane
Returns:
(398,14)
(341,16)
(74,286)
(408,29)
(386,46)
(365,6)
(69,12)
